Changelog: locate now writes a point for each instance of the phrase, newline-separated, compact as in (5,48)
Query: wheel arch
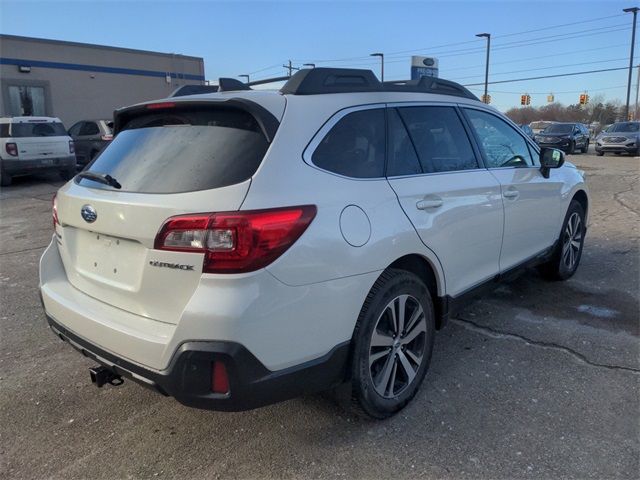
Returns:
(429,274)
(581,197)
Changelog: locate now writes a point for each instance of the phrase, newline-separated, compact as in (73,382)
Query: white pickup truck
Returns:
(34,144)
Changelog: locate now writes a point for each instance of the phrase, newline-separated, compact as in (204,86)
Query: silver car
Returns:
(618,138)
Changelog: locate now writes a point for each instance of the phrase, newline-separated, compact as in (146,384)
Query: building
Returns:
(75,81)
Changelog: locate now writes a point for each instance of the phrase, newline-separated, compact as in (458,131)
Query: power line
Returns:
(557,26)
(548,76)
(552,91)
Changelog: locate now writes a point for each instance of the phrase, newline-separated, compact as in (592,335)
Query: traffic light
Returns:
(486,99)
(550,98)
(584,99)
(525,99)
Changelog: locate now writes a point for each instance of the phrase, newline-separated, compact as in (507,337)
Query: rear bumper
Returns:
(15,166)
(188,378)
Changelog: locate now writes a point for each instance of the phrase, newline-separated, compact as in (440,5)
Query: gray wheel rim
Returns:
(397,346)
(572,241)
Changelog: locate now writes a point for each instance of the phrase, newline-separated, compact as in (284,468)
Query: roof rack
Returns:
(193,90)
(231,84)
(315,81)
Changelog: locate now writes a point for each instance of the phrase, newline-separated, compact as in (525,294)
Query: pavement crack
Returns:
(616,196)
(580,358)
(26,250)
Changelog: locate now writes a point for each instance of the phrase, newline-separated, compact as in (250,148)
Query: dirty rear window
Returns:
(43,129)
(182,150)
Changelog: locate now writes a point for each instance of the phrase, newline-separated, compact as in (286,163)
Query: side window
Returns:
(75,130)
(4,130)
(501,144)
(355,146)
(439,138)
(402,158)
(89,128)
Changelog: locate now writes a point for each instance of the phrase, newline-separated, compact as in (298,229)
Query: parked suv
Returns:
(621,137)
(90,137)
(34,144)
(568,137)
(244,247)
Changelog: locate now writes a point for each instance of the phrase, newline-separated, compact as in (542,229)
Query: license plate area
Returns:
(110,260)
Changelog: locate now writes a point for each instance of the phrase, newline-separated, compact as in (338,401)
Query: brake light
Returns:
(219,378)
(54,210)
(235,242)
(11,148)
(154,106)
(72,147)
(106,138)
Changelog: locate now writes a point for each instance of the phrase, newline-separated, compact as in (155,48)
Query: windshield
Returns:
(559,128)
(624,127)
(44,129)
(182,151)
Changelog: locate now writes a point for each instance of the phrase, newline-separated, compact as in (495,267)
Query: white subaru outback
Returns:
(243,247)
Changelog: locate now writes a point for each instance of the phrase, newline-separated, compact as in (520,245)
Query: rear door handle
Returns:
(425,204)
(511,193)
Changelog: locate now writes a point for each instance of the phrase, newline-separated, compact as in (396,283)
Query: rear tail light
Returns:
(235,242)
(219,378)
(72,147)
(106,138)
(12,149)
(54,210)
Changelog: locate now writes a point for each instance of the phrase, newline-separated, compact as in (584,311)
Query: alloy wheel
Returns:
(572,241)
(397,346)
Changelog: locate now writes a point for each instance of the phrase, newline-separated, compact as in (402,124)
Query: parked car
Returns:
(540,125)
(621,137)
(90,137)
(527,129)
(568,137)
(240,248)
(34,144)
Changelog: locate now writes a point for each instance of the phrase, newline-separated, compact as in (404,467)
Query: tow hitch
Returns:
(101,375)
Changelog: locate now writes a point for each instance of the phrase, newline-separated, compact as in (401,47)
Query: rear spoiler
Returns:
(266,120)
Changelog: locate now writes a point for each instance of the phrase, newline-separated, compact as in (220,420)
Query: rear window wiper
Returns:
(104,178)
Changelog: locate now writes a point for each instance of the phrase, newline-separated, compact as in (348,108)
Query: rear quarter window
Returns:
(182,150)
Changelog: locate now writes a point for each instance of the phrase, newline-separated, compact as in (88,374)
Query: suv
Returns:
(621,137)
(90,137)
(34,144)
(566,136)
(244,247)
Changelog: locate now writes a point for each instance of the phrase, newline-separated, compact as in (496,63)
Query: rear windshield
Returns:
(559,128)
(44,129)
(182,151)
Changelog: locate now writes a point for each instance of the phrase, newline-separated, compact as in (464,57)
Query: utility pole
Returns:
(381,55)
(485,97)
(635,117)
(290,67)
(633,10)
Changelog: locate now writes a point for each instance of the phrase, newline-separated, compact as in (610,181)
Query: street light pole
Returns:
(633,10)
(486,69)
(245,76)
(381,55)
(312,65)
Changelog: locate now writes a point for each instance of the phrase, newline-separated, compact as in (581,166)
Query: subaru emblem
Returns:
(89,213)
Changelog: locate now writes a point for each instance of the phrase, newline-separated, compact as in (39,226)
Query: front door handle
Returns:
(511,194)
(425,204)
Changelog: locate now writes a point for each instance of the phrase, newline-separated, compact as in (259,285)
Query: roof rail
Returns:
(193,90)
(315,81)
(231,84)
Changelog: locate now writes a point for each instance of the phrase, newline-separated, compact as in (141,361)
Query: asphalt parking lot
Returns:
(537,380)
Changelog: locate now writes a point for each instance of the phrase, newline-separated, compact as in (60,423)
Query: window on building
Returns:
(26,101)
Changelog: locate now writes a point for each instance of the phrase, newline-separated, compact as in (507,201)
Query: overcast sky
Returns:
(258,37)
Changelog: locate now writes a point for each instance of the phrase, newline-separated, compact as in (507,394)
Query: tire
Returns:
(384,386)
(566,257)
(600,154)
(5,179)
(68,173)
(586,147)
(572,148)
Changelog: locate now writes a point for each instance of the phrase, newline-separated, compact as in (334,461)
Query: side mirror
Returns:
(550,158)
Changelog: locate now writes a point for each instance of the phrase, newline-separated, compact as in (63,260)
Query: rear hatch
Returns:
(169,159)
(40,139)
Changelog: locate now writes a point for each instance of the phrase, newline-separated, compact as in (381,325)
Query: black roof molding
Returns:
(231,85)
(193,90)
(315,81)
